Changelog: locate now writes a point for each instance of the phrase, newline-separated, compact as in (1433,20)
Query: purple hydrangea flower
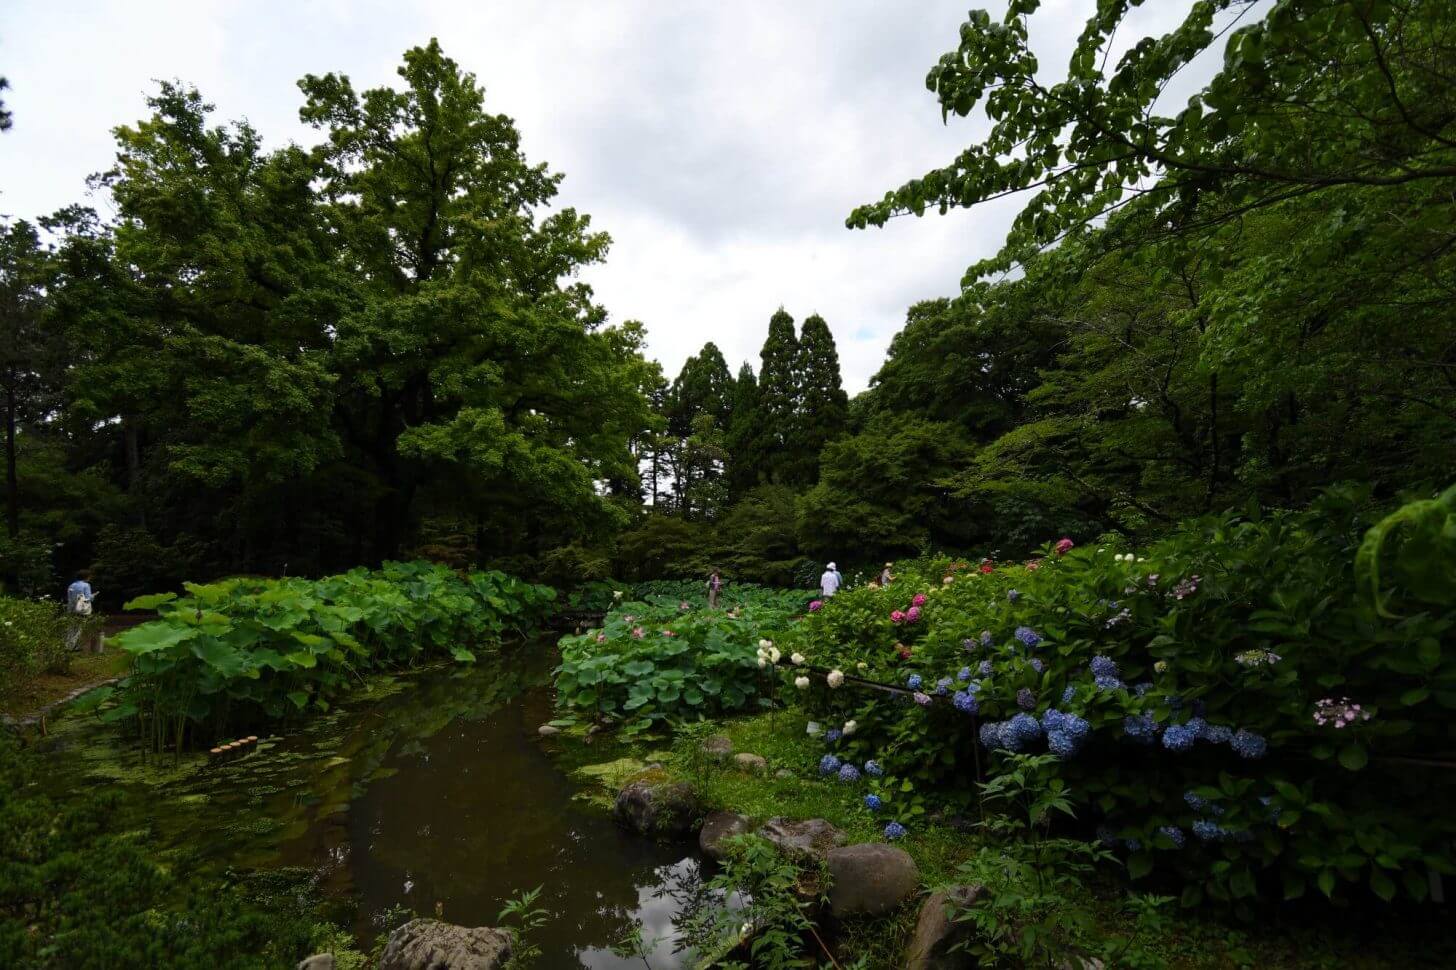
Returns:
(1105,682)
(1028,636)
(1103,667)
(873,769)
(1025,699)
(922,699)
(963,674)
(1195,801)
(828,764)
(1037,665)
(1209,831)
(969,645)
(833,735)
(986,638)
(1068,694)
(1175,835)
(942,686)
(985,668)
(913,682)
(1013,595)
(1020,731)
(848,773)
(873,803)
(1061,744)
(894,831)
(965,701)
(991,734)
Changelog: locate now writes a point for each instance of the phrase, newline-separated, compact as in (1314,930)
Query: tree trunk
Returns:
(12,480)
(133,468)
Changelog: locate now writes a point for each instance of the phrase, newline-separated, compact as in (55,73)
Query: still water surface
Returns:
(440,794)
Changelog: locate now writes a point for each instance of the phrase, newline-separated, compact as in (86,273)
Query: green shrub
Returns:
(248,649)
(666,657)
(1203,691)
(27,565)
(33,638)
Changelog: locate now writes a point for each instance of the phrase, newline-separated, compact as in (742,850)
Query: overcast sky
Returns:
(720,144)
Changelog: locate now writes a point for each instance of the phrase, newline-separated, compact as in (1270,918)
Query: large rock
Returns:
(427,944)
(754,764)
(319,961)
(809,839)
(933,947)
(717,827)
(869,879)
(652,804)
(718,747)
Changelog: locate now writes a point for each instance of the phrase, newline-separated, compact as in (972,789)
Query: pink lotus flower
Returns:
(913,615)
(918,599)
(1033,565)
(897,617)
(601,638)
(816,606)
(668,633)
(638,632)
(1064,546)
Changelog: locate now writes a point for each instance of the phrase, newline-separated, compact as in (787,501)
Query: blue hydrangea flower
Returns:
(873,769)
(1140,727)
(1133,845)
(1028,636)
(991,734)
(894,831)
(1078,728)
(985,668)
(913,682)
(1197,725)
(828,764)
(833,735)
(1013,595)
(965,702)
(1105,682)
(873,803)
(1209,831)
(848,773)
(1061,744)
(1217,733)
(1025,699)
(1179,737)
(1020,731)
(1195,801)
(1247,744)
(1037,665)
(1068,694)
(942,686)
(1175,835)
(1142,689)
(1103,667)
(969,645)
(964,674)
(986,640)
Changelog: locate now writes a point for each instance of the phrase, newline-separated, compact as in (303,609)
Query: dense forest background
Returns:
(304,359)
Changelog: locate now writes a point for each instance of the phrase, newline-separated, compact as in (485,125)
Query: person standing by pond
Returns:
(715,586)
(830,582)
(78,604)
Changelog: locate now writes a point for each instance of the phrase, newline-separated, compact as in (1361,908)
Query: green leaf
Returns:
(299,698)
(1353,756)
(462,655)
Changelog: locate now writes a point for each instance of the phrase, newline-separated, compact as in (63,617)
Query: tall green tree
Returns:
(744,436)
(823,410)
(29,358)
(466,354)
(778,397)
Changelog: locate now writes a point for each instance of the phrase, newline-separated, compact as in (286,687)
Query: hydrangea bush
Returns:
(1236,778)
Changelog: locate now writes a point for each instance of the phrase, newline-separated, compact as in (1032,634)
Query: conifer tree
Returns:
(823,411)
(743,435)
(778,396)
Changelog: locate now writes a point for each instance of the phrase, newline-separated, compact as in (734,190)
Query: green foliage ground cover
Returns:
(81,889)
(667,657)
(248,650)
(1200,693)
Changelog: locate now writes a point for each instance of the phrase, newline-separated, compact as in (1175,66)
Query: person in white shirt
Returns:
(830,582)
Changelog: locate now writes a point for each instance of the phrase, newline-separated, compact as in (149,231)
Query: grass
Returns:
(85,670)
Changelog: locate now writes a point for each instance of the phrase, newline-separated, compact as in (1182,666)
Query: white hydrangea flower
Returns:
(774,655)
(797,659)
(835,678)
(862,665)
(764,644)
(762,661)
(813,728)
(616,594)
(802,683)
(850,727)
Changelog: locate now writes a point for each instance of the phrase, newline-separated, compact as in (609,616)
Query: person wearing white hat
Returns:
(830,582)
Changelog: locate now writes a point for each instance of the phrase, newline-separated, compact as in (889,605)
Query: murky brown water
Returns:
(441,795)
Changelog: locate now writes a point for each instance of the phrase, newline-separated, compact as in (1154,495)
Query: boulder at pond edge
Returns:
(427,944)
(651,804)
(933,947)
(870,879)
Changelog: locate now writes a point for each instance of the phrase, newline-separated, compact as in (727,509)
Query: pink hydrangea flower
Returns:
(1033,565)
(918,599)
(1064,545)
(816,606)
(913,615)
(986,566)
(896,616)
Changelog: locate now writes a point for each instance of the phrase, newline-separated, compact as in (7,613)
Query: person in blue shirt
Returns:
(79,597)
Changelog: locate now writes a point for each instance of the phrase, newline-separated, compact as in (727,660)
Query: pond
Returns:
(432,792)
